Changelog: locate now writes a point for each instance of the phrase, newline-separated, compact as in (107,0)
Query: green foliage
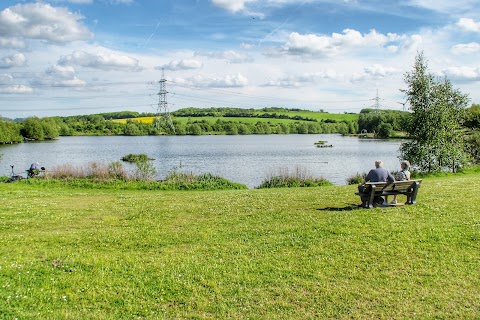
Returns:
(472,117)
(117,171)
(292,182)
(384,130)
(135,158)
(145,171)
(372,120)
(9,132)
(434,126)
(34,128)
(190,181)
(298,177)
(356,179)
(472,142)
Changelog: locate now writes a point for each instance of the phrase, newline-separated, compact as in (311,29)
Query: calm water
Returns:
(245,159)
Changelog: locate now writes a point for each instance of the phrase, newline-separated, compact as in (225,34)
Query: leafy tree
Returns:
(50,128)
(384,130)
(473,146)
(9,132)
(33,129)
(435,122)
(194,129)
(131,128)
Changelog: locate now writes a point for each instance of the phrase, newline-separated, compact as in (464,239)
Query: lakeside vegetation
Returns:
(239,254)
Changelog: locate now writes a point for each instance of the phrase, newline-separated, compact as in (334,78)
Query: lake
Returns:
(247,159)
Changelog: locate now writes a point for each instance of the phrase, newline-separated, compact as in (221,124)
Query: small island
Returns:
(322,144)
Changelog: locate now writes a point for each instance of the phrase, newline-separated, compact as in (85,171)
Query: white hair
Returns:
(378,163)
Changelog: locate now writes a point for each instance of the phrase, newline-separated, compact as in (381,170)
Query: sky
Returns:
(72,57)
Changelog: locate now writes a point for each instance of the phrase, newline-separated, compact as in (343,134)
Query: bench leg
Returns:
(371,200)
(412,196)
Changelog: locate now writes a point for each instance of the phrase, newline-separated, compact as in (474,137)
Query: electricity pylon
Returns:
(163,114)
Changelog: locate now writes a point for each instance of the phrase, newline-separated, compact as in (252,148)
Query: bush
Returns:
(144,171)
(356,179)
(284,178)
(136,158)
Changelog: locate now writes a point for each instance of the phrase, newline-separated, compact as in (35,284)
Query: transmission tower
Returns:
(163,114)
(377,103)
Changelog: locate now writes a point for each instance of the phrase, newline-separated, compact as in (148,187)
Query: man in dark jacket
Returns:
(379,174)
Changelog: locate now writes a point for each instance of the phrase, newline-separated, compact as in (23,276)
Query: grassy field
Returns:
(305,253)
(306,114)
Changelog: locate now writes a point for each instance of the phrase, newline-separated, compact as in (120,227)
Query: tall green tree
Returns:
(438,111)
(33,129)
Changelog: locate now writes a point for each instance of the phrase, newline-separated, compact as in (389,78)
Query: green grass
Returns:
(306,114)
(303,253)
(318,115)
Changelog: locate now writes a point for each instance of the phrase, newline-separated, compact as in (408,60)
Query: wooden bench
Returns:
(379,189)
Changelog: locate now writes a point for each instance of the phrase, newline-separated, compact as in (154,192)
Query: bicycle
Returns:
(15,177)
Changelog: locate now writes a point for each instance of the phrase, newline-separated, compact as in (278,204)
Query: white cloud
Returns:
(467,48)
(16,89)
(15,43)
(228,81)
(13,60)
(41,21)
(468,25)
(412,43)
(446,6)
(75,82)
(303,80)
(231,5)
(466,74)
(101,60)
(67,72)
(325,46)
(77,1)
(374,72)
(229,55)
(185,64)
(6,79)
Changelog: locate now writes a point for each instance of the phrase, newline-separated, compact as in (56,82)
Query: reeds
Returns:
(285,177)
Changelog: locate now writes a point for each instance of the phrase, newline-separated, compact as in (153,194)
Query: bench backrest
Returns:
(401,186)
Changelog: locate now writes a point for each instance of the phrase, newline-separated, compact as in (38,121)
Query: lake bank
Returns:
(243,159)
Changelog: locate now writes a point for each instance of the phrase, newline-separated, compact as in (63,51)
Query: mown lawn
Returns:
(306,253)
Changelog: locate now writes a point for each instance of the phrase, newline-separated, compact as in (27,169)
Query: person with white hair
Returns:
(402,175)
(379,174)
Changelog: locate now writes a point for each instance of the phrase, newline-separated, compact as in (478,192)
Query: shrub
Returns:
(299,177)
(356,179)
(117,171)
(144,171)
(136,158)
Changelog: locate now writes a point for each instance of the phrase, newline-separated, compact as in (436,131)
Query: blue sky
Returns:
(90,56)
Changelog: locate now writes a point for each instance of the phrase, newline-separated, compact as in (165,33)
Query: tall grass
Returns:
(93,170)
(285,177)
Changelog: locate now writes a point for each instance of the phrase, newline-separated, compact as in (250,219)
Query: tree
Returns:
(435,122)
(384,130)
(33,129)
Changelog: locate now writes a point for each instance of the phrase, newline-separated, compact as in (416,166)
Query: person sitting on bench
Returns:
(379,174)
(402,175)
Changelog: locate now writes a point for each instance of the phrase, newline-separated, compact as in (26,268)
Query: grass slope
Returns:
(272,254)
(319,116)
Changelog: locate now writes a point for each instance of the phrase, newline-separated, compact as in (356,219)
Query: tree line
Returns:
(51,128)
